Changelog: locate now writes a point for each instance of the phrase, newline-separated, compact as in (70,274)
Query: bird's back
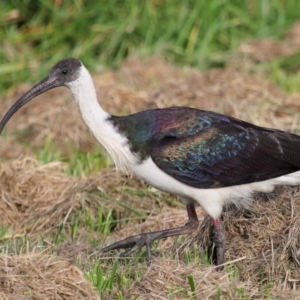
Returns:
(209,150)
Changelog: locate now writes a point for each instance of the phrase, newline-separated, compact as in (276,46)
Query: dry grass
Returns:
(166,279)
(42,276)
(37,198)
(262,243)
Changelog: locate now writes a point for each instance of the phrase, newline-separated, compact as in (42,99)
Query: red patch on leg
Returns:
(216,222)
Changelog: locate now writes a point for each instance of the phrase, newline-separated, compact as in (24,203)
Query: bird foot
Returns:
(134,243)
(145,239)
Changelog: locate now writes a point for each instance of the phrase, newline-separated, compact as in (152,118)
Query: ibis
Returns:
(203,157)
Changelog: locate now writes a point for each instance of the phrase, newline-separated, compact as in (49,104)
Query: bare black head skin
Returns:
(62,73)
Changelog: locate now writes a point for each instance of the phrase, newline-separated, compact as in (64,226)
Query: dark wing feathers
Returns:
(224,151)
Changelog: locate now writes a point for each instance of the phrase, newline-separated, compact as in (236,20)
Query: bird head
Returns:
(62,74)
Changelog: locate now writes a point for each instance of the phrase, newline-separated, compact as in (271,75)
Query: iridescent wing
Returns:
(211,150)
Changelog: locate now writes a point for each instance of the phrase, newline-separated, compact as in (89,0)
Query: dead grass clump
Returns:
(38,198)
(34,197)
(168,279)
(267,234)
(40,276)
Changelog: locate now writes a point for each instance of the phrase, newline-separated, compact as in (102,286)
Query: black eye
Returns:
(65,71)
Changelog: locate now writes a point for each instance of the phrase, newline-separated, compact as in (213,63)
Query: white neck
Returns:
(96,119)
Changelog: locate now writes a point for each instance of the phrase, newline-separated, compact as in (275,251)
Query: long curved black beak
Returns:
(41,87)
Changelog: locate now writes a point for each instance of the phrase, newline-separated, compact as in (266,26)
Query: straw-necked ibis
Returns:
(204,157)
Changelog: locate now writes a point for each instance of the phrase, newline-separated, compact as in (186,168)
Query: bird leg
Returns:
(145,239)
(219,240)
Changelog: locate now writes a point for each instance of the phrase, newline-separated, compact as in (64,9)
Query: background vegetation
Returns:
(35,34)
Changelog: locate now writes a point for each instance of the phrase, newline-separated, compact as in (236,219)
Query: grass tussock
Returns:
(172,279)
(42,276)
(38,199)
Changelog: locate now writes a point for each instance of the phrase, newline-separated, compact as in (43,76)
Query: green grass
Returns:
(191,282)
(103,222)
(34,34)
(284,72)
(79,163)
(101,280)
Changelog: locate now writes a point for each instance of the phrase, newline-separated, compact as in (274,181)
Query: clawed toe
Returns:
(134,243)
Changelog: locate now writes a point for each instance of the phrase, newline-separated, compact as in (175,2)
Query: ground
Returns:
(55,218)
